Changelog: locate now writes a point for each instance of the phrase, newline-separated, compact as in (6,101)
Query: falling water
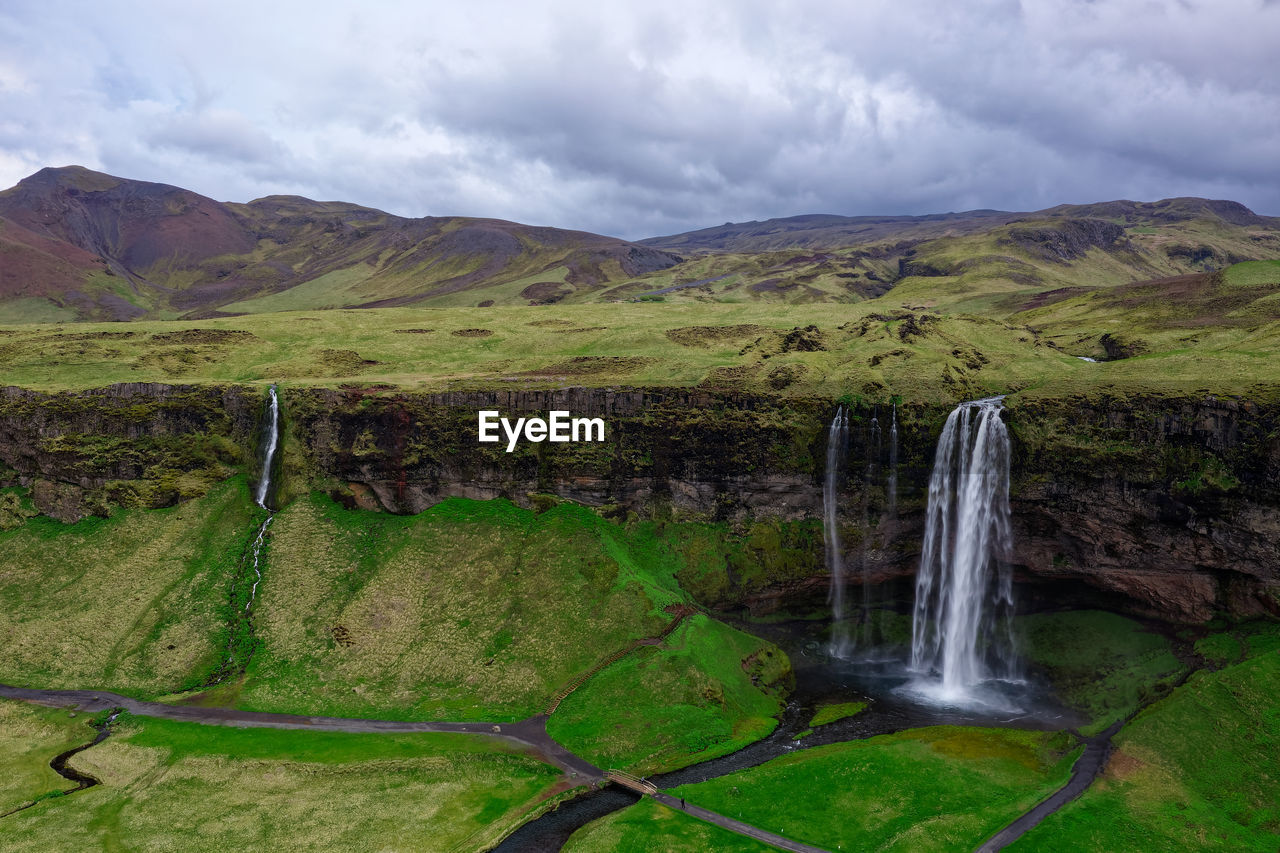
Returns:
(837,439)
(242,626)
(892,486)
(271,436)
(870,477)
(961,630)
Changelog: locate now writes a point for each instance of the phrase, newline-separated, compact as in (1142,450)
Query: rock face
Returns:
(1163,506)
(696,453)
(1173,503)
(135,444)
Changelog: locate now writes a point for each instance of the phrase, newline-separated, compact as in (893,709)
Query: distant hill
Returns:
(826,231)
(78,245)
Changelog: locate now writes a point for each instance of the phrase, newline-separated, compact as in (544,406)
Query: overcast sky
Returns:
(646,118)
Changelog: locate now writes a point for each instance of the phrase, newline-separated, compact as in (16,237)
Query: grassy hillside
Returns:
(1195,771)
(137,602)
(81,245)
(857,350)
(708,691)
(483,611)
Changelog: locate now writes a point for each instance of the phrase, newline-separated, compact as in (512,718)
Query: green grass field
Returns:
(707,691)
(1195,771)
(476,611)
(182,786)
(857,350)
(940,788)
(29,737)
(1099,663)
(137,602)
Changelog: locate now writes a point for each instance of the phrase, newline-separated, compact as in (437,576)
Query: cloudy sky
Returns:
(646,118)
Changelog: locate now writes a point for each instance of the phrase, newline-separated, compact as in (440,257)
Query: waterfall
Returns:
(239,641)
(892,486)
(270,435)
(961,631)
(837,440)
(870,477)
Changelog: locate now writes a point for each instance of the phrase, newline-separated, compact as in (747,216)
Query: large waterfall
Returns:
(837,440)
(961,631)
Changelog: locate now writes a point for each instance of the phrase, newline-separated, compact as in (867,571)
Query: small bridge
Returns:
(635,783)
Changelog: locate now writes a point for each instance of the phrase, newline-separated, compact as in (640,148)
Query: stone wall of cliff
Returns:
(1170,506)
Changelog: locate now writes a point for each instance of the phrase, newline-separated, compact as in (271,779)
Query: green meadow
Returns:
(183,786)
(941,788)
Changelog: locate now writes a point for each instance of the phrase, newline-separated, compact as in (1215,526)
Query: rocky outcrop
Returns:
(1172,503)
(134,444)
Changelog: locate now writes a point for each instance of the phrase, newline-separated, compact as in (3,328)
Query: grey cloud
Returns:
(638,120)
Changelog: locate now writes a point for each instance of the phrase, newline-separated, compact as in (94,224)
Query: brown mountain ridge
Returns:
(76,244)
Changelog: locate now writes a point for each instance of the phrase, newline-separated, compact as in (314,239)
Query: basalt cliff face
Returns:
(1163,506)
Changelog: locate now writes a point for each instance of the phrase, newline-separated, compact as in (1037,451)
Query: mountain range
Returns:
(76,244)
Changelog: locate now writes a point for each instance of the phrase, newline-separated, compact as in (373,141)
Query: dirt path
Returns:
(531,732)
(1087,767)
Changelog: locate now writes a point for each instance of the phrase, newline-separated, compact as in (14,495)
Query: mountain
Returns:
(975,261)
(78,244)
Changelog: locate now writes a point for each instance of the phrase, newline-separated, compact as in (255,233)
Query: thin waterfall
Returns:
(837,440)
(242,627)
(891,488)
(271,438)
(961,631)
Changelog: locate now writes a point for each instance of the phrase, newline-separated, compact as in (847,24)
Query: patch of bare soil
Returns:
(204,336)
(546,292)
(344,362)
(472,333)
(706,336)
(593,365)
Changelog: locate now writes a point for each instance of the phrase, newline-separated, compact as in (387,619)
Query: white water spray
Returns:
(837,440)
(961,632)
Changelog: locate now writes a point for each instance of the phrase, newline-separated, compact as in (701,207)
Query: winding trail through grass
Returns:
(1097,750)
(530,732)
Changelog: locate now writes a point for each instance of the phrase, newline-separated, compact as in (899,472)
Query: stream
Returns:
(820,679)
(66,771)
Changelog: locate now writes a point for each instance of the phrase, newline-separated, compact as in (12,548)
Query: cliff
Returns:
(1159,505)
